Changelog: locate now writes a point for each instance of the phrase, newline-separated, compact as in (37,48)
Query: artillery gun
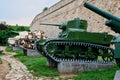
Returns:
(75,44)
(26,43)
(114,23)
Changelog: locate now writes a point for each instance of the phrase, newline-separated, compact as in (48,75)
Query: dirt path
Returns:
(13,69)
(4,69)
(18,71)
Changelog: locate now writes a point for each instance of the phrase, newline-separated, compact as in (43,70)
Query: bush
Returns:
(19,28)
(0,58)
(3,27)
(5,33)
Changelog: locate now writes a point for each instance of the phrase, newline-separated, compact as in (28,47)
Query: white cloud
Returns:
(22,21)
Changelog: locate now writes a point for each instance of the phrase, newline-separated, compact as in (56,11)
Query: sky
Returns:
(22,12)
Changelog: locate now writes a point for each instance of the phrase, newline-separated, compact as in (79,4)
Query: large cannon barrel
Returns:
(101,12)
(113,21)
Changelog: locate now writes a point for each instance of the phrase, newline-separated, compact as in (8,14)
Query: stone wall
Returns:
(69,9)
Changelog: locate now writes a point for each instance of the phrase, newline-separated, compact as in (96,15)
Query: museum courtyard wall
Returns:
(69,9)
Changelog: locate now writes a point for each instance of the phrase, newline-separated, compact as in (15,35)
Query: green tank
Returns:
(74,43)
(114,23)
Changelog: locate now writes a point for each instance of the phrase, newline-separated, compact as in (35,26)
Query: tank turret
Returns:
(78,24)
(114,23)
(72,25)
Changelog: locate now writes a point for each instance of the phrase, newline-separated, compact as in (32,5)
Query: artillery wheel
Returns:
(118,61)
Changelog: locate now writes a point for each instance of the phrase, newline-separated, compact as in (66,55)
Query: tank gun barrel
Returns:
(50,24)
(113,21)
(61,26)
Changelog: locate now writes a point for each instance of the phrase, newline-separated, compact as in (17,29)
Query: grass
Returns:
(9,49)
(37,66)
(0,58)
(19,53)
(0,61)
(1,53)
(97,75)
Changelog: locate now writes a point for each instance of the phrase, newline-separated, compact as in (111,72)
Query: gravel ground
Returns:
(18,71)
(4,69)
(13,69)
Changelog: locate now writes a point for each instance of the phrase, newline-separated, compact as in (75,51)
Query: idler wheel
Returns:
(107,56)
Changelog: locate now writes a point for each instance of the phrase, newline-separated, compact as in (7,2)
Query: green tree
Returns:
(5,33)
(46,8)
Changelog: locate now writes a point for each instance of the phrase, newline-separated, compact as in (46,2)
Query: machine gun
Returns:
(114,23)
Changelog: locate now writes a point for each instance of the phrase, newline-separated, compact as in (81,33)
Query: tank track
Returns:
(63,42)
